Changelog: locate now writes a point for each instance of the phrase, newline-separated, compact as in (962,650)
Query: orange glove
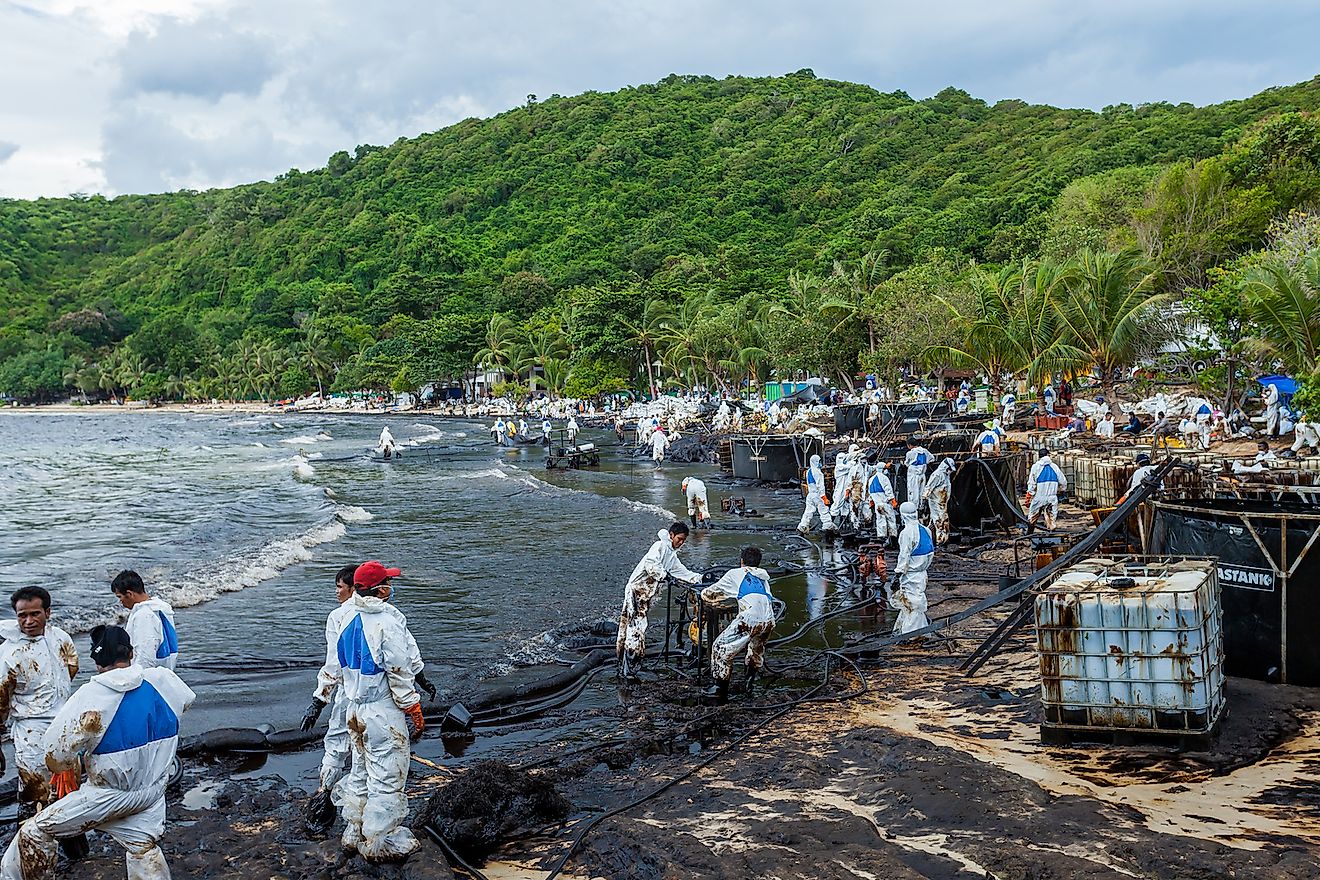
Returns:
(1027,498)
(826,499)
(893,502)
(416,721)
(847,493)
(65,783)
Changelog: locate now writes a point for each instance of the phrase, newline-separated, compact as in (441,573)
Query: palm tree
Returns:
(647,333)
(806,296)
(1111,312)
(1283,301)
(686,347)
(540,346)
(854,294)
(316,354)
(130,370)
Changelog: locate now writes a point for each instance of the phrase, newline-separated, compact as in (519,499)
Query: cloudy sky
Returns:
(119,96)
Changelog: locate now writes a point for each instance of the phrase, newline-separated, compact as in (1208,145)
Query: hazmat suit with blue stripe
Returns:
(916,552)
(151,627)
(752,625)
(124,726)
(1044,483)
(817,501)
(881,492)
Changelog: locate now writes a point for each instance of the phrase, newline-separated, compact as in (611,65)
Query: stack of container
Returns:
(1131,646)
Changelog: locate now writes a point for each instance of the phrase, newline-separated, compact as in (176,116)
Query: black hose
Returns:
(450,854)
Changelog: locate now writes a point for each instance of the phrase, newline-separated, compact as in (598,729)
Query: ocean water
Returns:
(241,521)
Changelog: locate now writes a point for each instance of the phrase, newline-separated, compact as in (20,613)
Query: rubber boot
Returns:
(75,848)
(752,673)
(692,517)
(718,693)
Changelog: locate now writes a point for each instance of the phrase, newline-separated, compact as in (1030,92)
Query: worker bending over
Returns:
(750,629)
(698,505)
(123,725)
(639,592)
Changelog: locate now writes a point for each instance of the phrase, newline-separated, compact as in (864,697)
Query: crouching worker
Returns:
(124,724)
(750,628)
(640,591)
(373,660)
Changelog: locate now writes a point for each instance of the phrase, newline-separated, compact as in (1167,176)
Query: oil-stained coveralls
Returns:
(916,551)
(916,460)
(1305,434)
(987,443)
(881,493)
(1043,486)
(698,505)
(937,498)
(338,750)
(1009,403)
(750,628)
(373,662)
(640,591)
(659,442)
(36,677)
(386,443)
(124,724)
(817,501)
(151,627)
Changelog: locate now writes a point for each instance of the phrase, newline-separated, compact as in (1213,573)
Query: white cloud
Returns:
(142,95)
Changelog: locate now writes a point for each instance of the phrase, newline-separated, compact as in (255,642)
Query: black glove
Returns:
(313,713)
(424,685)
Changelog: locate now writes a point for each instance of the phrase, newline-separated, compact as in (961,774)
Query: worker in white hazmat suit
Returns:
(497,432)
(386,445)
(1044,483)
(755,621)
(659,443)
(1104,428)
(338,751)
(936,494)
(856,501)
(572,429)
(1262,461)
(374,660)
(698,505)
(1272,410)
(522,427)
(643,585)
(1139,476)
(1306,435)
(150,622)
(986,443)
(883,502)
(37,666)
(1203,417)
(1009,403)
(916,552)
(123,726)
(817,501)
(916,460)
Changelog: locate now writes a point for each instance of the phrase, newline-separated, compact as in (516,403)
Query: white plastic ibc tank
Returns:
(1132,645)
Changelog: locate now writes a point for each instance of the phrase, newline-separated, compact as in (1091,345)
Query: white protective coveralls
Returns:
(522,427)
(1105,427)
(373,659)
(640,591)
(916,551)
(987,443)
(124,725)
(1305,433)
(659,442)
(498,431)
(385,445)
(817,501)
(916,460)
(1272,410)
(1043,485)
(151,627)
(750,628)
(572,429)
(1203,414)
(698,504)
(936,494)
(1048,396)
(881,493)
(338,750)
(35,681)
(1009,402)
(1263,461)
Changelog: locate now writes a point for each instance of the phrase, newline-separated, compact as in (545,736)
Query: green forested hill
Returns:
(691,187)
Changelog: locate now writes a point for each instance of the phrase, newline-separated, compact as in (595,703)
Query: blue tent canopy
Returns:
(1285,384)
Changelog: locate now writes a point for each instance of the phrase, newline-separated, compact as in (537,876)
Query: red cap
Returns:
(373,574)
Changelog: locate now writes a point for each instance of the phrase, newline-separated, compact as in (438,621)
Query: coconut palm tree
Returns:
(540,346)
(646,333)
(1111,311)
(502,343)
(854,293)
(1283,300)
(316,354)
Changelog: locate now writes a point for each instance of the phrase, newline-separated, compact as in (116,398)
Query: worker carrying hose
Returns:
(1044,483)
(698,505)
(373,660)
(916,552)
(750,629)
(37,666)
(643,586)
(124,726)
(881,493)
(936,494)
(150,622)
(817,501)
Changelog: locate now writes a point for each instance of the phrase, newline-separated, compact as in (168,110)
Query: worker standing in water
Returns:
(386,445)
(373,660)
(128,753)
(659,443)
(643,586)
(698,505)
(37,665)
(750,585)
(572,430)
(818,502)
(150,622)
